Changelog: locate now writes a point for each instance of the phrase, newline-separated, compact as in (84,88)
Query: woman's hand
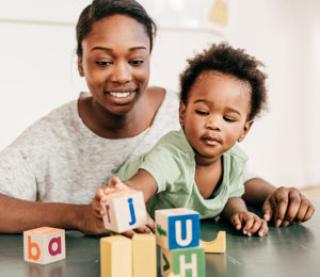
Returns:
(249,223)
(286,205)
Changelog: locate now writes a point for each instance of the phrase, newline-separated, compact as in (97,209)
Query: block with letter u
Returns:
(177,228)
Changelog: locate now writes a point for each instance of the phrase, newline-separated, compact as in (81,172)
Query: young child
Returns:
(200,167)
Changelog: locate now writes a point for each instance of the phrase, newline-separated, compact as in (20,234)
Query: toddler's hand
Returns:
(114,185)
(249,223)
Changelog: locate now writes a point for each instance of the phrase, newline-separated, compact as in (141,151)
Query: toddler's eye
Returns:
(230,119)
(202,113)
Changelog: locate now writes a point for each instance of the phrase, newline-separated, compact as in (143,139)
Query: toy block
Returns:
(144,255)
(177,228)
(115,256)
(215,246)
(183,262)
(124,210)
(44,245)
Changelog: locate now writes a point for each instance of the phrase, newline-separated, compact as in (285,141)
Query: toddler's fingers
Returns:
(255,227)
(236,221)
(249,221)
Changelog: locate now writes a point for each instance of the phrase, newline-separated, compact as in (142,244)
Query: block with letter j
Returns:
(125,210)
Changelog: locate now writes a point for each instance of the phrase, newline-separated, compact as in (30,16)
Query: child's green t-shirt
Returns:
(171,162)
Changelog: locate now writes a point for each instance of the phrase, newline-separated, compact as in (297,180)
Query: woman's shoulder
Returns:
(52,125)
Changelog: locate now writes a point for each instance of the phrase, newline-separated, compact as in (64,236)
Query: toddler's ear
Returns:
(182,112)
(246,129)
(80,67)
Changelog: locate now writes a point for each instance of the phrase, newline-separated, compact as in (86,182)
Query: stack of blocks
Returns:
(178,235)
(44,245)
(121,256)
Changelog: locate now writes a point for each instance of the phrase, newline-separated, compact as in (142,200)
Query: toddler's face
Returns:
(215,116)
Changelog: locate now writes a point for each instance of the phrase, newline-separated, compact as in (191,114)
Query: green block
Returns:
(189,261)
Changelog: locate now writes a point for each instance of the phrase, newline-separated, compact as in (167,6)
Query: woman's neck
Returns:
(108,125)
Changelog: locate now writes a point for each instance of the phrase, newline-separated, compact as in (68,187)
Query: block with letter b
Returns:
(177,228)
(183,262)
(44,245)
(124,210)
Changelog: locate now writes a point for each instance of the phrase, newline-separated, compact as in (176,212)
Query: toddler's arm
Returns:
(236,212)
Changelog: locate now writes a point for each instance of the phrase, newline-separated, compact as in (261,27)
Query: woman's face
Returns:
(116,62)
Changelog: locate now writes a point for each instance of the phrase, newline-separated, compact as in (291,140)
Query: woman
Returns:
(49,175)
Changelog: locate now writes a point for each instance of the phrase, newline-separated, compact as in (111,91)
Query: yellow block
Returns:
(115,257)
(215,246)
(144,255)
(219,12)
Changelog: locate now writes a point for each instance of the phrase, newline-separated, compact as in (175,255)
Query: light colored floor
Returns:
(312,192)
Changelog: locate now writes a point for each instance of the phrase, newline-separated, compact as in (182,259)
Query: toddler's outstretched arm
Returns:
(238,215)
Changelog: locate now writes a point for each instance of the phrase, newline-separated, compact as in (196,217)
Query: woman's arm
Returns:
(19,215)
(284,204)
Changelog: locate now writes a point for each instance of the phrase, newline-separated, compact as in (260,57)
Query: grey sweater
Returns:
(58,159)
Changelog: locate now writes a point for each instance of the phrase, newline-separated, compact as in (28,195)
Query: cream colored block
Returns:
(115,257)
(215,246)
(144,255)
(124,210)
(44,245)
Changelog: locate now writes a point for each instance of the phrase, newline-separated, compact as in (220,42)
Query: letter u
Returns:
(183,232)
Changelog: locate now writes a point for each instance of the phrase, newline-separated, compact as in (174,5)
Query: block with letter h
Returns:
(44,245)
(124,210)
(178,234)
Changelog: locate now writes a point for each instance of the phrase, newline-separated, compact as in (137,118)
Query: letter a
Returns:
(56,251)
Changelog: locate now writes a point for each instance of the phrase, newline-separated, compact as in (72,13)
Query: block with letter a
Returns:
(177,228)
(124,210)
(44,245)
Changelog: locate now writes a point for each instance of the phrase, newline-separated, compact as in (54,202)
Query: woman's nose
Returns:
(121,73)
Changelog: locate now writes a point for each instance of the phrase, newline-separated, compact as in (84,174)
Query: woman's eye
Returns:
(203,113)
(103,63)
(136,62)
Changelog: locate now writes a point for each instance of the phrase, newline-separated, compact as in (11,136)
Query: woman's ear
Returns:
(182,112)
(80,67)
(246,129)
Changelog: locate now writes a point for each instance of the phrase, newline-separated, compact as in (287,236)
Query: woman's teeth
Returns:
(120,94)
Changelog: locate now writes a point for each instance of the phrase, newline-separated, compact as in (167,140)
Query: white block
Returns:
(125,210)
(44,245)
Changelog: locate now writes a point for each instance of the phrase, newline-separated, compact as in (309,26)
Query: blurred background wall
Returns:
(38,72)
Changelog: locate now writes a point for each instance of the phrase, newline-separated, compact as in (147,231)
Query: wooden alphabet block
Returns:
(144,255)
(183,262)
(177,228)
(215,246)
(115,257)
(44,245)
(125,210)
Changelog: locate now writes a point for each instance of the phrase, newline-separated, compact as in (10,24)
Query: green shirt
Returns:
(172,164)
